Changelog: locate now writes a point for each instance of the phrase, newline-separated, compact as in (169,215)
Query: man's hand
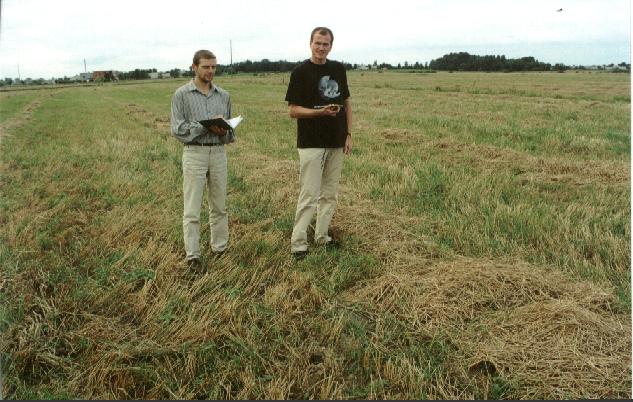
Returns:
(330,110)
(219,131)
(348,145)
(300,112)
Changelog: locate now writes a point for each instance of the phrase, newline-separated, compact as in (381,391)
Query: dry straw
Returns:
(555,338)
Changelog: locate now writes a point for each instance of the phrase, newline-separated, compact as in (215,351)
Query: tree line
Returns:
(461,61)
(464,61)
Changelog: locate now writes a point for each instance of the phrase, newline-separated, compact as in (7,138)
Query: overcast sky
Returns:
(47,38)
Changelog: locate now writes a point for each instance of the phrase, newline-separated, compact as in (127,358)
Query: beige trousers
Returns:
(200,166)
(319,175)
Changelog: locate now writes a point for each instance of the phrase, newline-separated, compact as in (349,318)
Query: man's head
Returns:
(322,31)
(321,40)
(204,66)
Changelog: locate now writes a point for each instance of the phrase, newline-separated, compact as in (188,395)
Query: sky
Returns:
(45,39)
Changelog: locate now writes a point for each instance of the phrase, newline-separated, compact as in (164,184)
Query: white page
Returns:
(235,121)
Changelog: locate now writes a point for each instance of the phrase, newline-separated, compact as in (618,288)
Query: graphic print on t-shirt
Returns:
(328,89)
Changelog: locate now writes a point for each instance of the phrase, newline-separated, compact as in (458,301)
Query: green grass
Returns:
(490,169)
(14,103)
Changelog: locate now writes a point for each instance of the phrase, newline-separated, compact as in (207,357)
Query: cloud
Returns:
(53,38)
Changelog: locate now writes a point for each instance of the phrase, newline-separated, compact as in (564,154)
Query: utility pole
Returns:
(19,77)
(231,48)
(85,70)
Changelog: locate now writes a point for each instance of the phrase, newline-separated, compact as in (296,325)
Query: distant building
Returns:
(85,77)
(153,76)
(165,75)
(109,75)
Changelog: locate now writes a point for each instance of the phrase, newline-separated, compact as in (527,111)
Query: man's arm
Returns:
(300,112)
(348,139)
(181,129)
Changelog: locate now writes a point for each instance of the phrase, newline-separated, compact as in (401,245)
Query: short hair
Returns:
(322,31)
(202,54)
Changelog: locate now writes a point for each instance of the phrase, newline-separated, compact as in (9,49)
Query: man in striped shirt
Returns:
(203,156)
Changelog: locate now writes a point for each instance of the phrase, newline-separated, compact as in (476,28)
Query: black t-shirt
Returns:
(314,85)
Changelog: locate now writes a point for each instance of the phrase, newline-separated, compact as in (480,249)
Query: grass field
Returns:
(485,223)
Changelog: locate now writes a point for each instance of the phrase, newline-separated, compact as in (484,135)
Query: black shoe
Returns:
(217,255)
(331,244)
(195,265)
(299,255)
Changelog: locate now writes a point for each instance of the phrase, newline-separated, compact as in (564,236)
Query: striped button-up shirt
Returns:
(189,106)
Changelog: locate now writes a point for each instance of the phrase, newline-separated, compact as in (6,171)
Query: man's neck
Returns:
(203,87)
(318,61)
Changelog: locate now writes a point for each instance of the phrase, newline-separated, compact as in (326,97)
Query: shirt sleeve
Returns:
(181,129)
(344,88)
(293,94)
(230,135)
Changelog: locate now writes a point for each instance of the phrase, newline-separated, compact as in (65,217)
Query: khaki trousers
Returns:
(200,166)
(319,176)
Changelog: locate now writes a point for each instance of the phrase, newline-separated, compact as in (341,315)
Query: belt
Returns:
(202,145)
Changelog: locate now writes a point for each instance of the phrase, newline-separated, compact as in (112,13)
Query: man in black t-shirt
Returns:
(318,97)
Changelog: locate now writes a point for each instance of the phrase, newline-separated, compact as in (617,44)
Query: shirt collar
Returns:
(192,87)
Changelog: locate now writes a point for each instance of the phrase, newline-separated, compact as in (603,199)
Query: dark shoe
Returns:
(333,244)
(195,265)
(299,255)
(217,255)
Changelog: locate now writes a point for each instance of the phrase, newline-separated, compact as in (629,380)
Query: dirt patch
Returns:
(148,119)
(396,136)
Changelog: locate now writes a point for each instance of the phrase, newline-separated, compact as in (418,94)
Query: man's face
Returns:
(205,70)
(320,46)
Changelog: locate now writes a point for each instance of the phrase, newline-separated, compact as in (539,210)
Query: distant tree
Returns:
(266,65)
(560,67)
(463,61)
